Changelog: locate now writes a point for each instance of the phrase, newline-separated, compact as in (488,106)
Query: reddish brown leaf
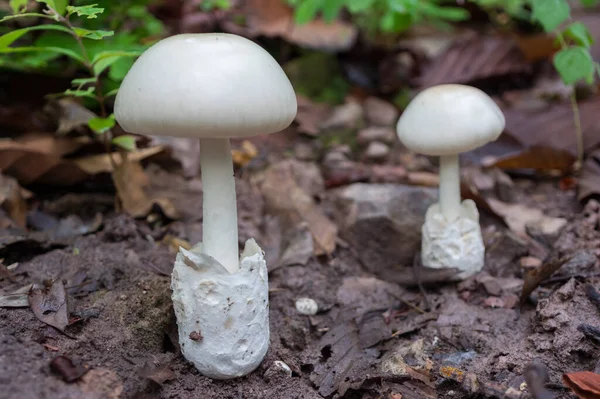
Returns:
(585,384)
(537,47)
(476,57)
(275,18)
(552,125)
(69,372)
(539,158)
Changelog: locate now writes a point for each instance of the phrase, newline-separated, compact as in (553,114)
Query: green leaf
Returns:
(126,141)
(102,125)
(93,34)
(580,34)
(395,22)
(105,59)
(9,38)
(307,11)
(58,50)
(89,11)
(574,64)
(447,13)
(331,9)
(356,6)
(119,69)
(550,13)
(18,6)
(590,3)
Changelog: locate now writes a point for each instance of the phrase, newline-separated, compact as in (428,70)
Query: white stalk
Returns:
(450,187)
(219,207)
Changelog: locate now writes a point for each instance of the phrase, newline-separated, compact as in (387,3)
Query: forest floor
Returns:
(337,204)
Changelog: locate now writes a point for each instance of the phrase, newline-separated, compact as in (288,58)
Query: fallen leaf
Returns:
(537,47)
(275,18)
(94,164)
(16,299)
(518,217)
(12,201)
(159,373)
(49,304)
(39,159)
(72,115)
(476,57)
(534,277)
(552,125)
(589,183)
(298,247)
(585,384)
(344,363)
(310,116)
(102,383)
(69,372)
(130,180)
(542,159)
(62,230)
(284,194)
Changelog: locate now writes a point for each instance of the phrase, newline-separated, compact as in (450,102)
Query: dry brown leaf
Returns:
(72,115)
(284,195)
(101,163)
(475,57)
(38,159)
(49,304)
(518,216)
(275,18)
(310,116)
(553,126)
(537,47)
(130,181)
(12,200)
(539,158)
(584,383)
(532,278)
(589,183)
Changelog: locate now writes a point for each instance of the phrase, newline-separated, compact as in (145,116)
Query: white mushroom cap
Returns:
(210,85)
(450,119)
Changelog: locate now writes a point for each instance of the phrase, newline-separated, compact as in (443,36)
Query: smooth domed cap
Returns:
(208,85)
(450,119)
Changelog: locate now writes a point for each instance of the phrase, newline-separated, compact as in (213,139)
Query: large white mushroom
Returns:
(213,87)
(444,121)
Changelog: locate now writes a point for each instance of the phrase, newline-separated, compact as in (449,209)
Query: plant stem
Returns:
(576,116)
(88,65)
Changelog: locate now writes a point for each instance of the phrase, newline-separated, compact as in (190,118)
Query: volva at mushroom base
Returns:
(213,87)
(444,121)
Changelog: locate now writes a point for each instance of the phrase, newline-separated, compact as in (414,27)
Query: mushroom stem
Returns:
(219,207)
(450,187)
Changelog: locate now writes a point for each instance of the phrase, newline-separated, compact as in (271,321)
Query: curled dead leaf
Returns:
(542,159)
(49,304)
(584,383)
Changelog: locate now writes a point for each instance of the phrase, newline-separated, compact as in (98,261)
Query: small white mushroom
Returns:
(213,87)
(444,121)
